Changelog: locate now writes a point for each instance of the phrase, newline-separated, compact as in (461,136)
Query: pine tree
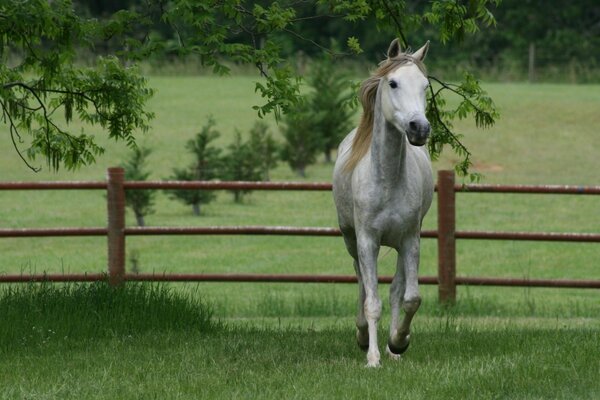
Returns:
(140,201)
(331,104)
(302,139)
(264,149)
(206,166)
(241,163)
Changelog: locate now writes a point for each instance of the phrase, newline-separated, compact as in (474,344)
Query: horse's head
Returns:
(403,93)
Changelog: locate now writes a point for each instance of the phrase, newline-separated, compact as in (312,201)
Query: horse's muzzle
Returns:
(418,131)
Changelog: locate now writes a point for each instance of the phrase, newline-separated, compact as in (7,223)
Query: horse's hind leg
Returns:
(405,288)
(362,327)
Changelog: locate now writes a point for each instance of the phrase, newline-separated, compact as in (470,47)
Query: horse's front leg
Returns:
(405,288)
(368,250)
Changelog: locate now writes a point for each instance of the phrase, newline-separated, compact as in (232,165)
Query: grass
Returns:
(74,312)
(147,341)
(296,341)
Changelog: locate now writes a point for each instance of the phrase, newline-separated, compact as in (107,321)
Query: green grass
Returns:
(296,341)
(148,341)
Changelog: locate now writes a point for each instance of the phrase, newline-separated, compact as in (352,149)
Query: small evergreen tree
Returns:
(331,104)
(264,149)
(302,139)
(242,163)
(206,166)
(140,201)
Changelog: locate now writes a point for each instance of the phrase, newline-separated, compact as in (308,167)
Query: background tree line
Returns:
(565,36)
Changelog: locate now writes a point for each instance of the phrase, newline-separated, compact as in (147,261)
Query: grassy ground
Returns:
(283,340)
(119,347)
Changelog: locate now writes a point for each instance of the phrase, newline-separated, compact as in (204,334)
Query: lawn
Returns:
(152,343)
(285,340)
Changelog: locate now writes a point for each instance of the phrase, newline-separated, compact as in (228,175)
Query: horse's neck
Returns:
(388,150)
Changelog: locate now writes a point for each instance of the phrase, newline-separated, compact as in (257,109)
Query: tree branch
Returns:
(397,22)
(13,130)
(461,94)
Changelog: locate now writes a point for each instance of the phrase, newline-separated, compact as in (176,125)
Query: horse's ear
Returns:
(394,48)
(421,53)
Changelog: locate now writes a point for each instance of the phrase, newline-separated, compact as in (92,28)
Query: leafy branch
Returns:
(475,101)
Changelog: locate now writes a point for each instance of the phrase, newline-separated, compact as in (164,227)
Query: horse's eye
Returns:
(393,84)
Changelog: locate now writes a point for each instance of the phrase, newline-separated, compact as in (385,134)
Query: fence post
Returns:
(446,237)
(115,200)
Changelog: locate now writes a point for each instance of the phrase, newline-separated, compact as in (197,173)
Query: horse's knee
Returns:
(411,305)
(373,308)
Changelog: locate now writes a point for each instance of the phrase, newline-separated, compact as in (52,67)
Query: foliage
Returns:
(216,32)
(474,100)
(43,82)
(206,166)
(264,148)
(241,163)
(140,201)
(331,103)
(262,34)
(250,160)
(302,139)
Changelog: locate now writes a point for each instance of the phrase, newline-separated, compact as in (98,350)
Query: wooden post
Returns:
(446,238)
(115,200)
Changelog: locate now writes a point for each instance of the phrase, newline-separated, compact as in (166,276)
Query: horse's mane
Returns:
(367,96)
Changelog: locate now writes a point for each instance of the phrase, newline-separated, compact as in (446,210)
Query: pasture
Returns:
(297,341)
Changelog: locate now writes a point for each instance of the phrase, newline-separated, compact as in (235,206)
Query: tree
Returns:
(43,36)
(216,32)
(241,163)
(330,103)
(140,201)
(302,140)
(206,166)
(264,149)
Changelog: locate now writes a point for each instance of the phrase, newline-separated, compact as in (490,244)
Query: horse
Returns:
(382,189)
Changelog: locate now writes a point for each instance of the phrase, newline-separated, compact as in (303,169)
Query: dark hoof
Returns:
(363,347)
(397,350)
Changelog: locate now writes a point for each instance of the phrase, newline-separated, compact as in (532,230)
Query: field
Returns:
(296,341)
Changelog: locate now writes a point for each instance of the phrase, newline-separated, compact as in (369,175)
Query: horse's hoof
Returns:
(362,340)
(393,357)
(397,350)
(363,347)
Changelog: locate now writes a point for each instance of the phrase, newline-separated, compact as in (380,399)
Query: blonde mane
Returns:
(367,96)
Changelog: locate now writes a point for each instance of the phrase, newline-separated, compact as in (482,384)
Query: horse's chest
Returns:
(394,216)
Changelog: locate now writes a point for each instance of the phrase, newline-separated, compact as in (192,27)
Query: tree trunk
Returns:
(237,196)
(301,171)
(328,156)
(196,208)
(140,219)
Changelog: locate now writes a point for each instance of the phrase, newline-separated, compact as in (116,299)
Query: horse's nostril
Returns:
(412,125)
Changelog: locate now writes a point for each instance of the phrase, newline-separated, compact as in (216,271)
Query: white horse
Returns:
(382,187)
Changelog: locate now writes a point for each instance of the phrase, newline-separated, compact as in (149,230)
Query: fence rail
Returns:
(446,234)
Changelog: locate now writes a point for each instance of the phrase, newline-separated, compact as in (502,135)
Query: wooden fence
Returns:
(446,234)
